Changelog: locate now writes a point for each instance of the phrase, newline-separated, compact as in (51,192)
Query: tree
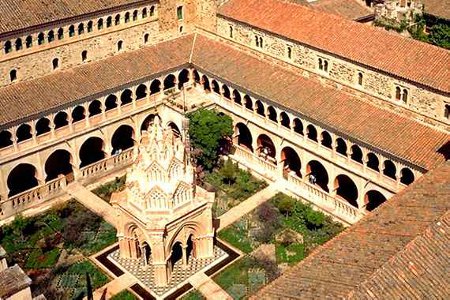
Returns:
(314,218)
(440,35)
(228,172)
(18,225)
(207,129)
(286,205)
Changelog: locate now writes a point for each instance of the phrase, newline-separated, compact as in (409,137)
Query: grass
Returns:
(193,295)
(37,259)
(105,191)
(238,237)
(237,273)
(290,254)
(124,295)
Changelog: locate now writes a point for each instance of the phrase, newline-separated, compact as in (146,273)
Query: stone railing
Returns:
(332,205)
(100,168)
(32,197)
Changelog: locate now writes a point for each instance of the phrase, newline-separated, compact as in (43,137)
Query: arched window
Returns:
(373,162)
(272,114)
(231,31)
(325,65)
(289,52)
(146,36)
(55,63)
(248,102)
(261,42)
(311,132)
(398,93)
(127,17)
(90,26)
(447,111)
(341,147)
(78,113)
(84,55)
(50,36)
(320,64)
(298,126)
(42,126)
(5,139)
(60,34)
(41,38)
(71,31)
(407,176)
(18,44)
(180,13)
(405,96)
(29,41)
(390,169)
(144,13)
(360,78)
(285,121)
(100,24)
(60,119)
(13,75)
(152,11)
(356,154)
(95,108)
(108,22)
(7,47)
(119,45)
(117,20)
(135,15)
(23,133)
(80,29)
(326,139)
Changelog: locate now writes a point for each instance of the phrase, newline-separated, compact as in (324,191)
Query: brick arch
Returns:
(193,227)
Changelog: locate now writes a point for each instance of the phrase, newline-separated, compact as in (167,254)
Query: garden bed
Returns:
(106,190)
(285,225)
(52,248)
(232,186)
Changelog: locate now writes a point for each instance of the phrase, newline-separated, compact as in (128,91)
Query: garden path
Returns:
(208,287)
(92,202)
(248,205)
(114,287)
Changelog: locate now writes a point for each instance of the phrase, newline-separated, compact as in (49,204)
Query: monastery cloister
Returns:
(97,136)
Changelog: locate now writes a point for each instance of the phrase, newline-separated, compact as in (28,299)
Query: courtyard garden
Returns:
(275,236)
(106,190)
(53,247)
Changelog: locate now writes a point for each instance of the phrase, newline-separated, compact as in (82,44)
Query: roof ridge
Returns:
(192,48)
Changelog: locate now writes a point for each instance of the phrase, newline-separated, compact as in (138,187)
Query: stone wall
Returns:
(36,61)
(422,104)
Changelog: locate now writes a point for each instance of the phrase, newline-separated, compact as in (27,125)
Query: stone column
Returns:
(184,256)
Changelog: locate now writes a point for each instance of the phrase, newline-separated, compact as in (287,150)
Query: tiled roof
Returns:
(20,14)
(334,109)
(29,98)
(400,251)
(350,9)
(370,46)
(13,280)
(439,8)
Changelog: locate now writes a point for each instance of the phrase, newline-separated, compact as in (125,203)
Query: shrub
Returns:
(314,219)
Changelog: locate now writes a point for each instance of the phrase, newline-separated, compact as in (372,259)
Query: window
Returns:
(80,29)
(360,78)
(84,56)
(29,41)
(51,36)
(119,45)
(109,22)
(60,34)
(100,24)
(18,44)
(89,26)
(181,29)
(401,94)
(13,75)
(152,11)
(180,12)
(135,15)
(231,31)
(258,41)
(146,36)
(55,63)
(40,38)
(289,52)
(323,64)
(8,47)
(72,31)
(117,20)
(127,17)
(447,112)
(144,13)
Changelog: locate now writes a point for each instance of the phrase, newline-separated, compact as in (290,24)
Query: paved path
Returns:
(114,287)
(92,202)
(208,287)
(248,205)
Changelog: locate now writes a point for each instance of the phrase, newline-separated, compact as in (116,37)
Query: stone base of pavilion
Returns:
(180,276)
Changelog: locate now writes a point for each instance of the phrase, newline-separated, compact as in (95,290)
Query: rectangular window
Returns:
(180,12)
(289,52)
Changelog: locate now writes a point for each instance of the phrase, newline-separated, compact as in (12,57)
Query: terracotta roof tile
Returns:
(374,47)
(20,14)
(30,98)
(373,259)
(350,9)
(439,8)
(334,109)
